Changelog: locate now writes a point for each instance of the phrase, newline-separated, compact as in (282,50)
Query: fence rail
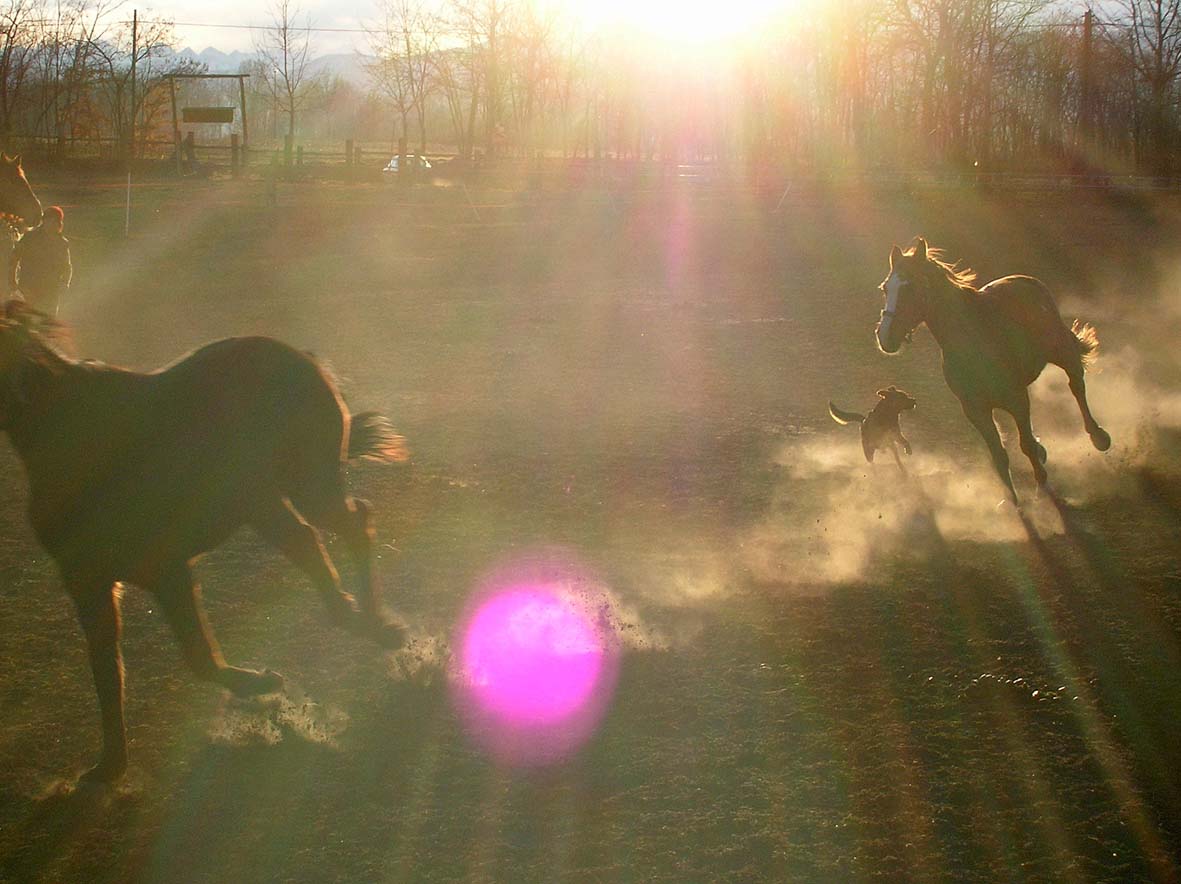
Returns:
(576,172)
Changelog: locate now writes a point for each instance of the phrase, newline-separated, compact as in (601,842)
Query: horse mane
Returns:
(963,278)
(51,339)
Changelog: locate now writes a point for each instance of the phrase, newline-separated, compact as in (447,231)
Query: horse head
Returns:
(18,203)
(905,289)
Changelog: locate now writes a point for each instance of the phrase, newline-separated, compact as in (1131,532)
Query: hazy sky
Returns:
(342,22)
(345,14)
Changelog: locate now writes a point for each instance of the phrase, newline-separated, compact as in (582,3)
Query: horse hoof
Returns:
(269,682)
(1101,439)
(104,774)
(343,610)
(248,683)
(389,636)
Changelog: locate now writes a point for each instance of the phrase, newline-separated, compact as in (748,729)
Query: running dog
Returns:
(879,429)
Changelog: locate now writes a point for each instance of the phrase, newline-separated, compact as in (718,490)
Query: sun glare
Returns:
(536,663)
(678,22)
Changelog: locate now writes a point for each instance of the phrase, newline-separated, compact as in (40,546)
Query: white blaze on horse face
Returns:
(894,283)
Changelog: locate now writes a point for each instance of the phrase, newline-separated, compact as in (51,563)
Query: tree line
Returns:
(861,84)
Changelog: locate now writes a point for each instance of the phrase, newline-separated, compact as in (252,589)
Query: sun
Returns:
(678,22)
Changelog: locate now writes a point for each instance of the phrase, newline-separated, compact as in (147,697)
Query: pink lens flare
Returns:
(537,663)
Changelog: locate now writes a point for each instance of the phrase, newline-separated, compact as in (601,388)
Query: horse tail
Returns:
(1088,341)
(844,417)
(373,437)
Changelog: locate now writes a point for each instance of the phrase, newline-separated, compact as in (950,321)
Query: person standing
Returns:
(40,269)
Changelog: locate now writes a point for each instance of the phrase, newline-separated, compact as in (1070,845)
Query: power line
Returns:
(194,24)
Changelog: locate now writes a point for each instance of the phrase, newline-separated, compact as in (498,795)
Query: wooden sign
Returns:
(207,114)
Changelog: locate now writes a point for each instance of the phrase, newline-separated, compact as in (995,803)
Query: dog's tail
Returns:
(373,437)
(844,417)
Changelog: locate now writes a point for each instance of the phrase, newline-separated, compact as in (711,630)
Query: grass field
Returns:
(828,673)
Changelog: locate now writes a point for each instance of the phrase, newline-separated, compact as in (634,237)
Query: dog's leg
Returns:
(897,459)
(180,599)
(98,611)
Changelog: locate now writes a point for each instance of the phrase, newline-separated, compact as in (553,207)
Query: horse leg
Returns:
(981,419)
(285,529)
(179,597)
(98,612)
(352,519)
(1100,438)
(1030,445)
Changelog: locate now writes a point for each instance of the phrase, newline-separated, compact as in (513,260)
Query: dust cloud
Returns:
(834,517)
(267,720)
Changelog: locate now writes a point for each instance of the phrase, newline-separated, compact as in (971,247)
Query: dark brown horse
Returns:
(995,340)
(132,476)
(18,205)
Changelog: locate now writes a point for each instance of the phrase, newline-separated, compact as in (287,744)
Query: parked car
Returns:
(415,162)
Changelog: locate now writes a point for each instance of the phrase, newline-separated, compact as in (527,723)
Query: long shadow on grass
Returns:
(1137,682)
(299,810)
(68,820)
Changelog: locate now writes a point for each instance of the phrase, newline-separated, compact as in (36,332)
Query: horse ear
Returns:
(895,256)
(920,247)
(892,388)
(882,394)
(16,160)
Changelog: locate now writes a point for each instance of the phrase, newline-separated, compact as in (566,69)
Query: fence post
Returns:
(235,155)
(357,156)
(272,180)
(288,143)
(299,155)
(403,166)
(348,152)
(191,150)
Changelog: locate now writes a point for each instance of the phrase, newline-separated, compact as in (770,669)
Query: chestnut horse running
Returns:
(133,476)
(995,341)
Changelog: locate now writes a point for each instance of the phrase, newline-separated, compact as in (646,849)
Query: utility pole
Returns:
(134,53)
(131,125)
(1086,99)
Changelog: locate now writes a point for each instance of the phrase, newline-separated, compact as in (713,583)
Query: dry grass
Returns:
(830,674)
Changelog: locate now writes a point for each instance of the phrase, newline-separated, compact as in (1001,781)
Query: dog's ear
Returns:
(895,256)
(920,248)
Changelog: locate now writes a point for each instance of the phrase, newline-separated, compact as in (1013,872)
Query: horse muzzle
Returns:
(888,341)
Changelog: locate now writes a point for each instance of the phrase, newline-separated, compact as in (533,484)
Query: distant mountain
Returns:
(348,65)
(218,62)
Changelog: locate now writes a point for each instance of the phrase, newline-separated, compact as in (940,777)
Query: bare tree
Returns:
(1154,48)
(404,43)
(486,23)
(19,21)
(111,53)
(285,49)
(459,74)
